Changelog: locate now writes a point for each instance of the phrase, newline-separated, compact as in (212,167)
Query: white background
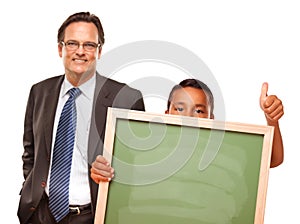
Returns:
(244,43)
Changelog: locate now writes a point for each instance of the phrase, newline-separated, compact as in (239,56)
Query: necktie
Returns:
(62,158)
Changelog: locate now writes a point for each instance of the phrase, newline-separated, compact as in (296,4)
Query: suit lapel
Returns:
(51,100)
(100,105)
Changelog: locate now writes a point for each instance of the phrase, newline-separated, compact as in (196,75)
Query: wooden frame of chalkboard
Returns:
(175,169)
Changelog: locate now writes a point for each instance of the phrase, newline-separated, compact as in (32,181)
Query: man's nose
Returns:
(80,49)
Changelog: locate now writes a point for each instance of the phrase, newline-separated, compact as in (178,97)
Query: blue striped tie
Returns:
(62,158)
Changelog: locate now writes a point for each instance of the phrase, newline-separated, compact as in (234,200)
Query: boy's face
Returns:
(191,102)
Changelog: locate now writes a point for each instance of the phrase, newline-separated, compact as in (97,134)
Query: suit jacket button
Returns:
(32,209)
(43,184)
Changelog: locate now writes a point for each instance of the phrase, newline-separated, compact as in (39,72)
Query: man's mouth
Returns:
(79,60)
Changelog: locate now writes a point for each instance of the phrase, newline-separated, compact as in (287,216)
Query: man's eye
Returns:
(72,44)
(90,45)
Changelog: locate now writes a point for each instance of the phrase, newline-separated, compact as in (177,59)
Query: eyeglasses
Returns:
(73,45)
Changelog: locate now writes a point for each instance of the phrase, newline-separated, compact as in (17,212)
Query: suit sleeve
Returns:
(28,139)
(139,102)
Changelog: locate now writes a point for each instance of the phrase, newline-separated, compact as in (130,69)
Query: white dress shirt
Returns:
(79,190)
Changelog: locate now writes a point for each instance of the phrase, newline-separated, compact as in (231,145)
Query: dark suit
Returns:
(38,128)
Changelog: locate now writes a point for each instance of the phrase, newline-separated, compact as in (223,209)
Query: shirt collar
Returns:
(87,88)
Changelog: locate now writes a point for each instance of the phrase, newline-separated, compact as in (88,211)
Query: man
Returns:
(80,40)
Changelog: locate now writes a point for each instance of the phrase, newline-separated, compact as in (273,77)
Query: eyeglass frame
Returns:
(78,44)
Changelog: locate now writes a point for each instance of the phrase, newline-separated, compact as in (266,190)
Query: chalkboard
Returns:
(173,169)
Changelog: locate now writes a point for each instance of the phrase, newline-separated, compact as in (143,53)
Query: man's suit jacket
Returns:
(38,129)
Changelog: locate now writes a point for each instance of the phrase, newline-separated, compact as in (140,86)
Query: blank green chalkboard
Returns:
(172,169)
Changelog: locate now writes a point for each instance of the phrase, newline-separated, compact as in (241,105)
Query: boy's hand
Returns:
(271,105)
(101,170)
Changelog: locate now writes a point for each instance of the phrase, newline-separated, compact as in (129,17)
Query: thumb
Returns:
(264,90)
(263,94)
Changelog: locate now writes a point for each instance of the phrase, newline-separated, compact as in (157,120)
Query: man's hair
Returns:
(81,17)
(194,83)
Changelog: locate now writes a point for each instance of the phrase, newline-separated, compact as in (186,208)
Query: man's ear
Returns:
(59,48)
(99,52)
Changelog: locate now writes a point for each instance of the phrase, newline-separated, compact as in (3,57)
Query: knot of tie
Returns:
(74,92)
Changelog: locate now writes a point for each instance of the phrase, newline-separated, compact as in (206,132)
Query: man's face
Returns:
(191,102)
(80,62)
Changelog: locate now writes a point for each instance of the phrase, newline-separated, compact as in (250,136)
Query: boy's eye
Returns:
(180,109)
(199,111)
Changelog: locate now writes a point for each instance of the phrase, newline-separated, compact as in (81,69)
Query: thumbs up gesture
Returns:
(271,105)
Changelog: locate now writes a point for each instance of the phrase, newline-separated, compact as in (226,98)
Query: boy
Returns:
(193,98)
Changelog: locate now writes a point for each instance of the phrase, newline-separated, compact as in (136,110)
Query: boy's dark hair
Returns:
(195,83)
(81,17)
